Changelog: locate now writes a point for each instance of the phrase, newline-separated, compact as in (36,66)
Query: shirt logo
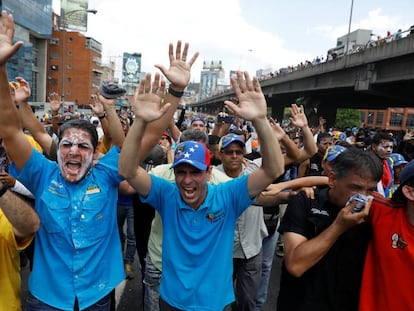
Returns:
(398,241)
(216,216)
(93,189)
(319,212)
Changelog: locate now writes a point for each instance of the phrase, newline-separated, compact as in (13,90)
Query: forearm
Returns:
(154,129)
(272,158)
(308,181)
(33,125)
(9,118)
(131,155)
(309,145)
(302,257)
(113,126)
(20,213)
(174,131)
(292,151)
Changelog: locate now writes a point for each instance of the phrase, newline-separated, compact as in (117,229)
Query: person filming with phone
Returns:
(326,238)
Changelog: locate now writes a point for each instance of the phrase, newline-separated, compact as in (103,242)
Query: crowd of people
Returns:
(200,199)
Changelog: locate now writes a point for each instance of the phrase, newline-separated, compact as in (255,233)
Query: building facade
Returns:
(393,119)
(74,66)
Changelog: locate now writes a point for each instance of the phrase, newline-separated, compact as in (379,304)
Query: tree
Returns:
(346,117)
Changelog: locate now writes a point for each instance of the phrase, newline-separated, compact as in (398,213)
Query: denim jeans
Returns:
(34,304)
(152,280)
(269,249)
(126,212)
(247,275)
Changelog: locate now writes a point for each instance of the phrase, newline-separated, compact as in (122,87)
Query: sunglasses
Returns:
(231,152)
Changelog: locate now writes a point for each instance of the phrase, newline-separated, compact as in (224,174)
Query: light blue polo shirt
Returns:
(197,248)
(78,251)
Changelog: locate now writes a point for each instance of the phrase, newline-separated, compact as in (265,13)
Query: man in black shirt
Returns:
(324,242)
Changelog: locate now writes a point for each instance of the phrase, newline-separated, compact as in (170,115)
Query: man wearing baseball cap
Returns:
(199,218)
(250,227)
(388,278)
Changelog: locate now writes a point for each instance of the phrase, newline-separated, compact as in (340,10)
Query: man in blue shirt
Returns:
(198,218)
(77,259)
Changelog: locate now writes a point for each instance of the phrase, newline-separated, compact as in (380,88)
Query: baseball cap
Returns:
(398,159)
(198,119)
(166,134)
(193,153)
(406,174)
(226,140)
(111,90)
(332,152)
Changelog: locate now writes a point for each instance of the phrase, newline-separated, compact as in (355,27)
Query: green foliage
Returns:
(346,117)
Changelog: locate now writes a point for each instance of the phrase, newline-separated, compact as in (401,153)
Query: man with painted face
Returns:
(77,258)
(382,146)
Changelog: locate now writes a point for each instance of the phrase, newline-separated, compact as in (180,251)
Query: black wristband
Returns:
(174,92)
(3,190)
(102,116)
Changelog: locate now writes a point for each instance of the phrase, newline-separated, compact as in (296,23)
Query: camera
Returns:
(360,199)
(226,119)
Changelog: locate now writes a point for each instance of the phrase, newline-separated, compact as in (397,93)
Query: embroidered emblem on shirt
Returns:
(216,216)
(93,189)
(210,217)
(397,241)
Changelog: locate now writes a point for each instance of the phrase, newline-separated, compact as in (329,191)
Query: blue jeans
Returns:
(34,304)
(268,248)
(126,212)
(152,281)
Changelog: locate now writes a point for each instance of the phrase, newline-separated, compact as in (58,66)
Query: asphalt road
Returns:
(129,292)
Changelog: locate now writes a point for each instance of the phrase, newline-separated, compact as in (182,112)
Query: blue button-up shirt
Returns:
(78,251)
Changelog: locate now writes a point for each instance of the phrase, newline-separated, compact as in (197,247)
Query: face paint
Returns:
(75,154)
(384,150)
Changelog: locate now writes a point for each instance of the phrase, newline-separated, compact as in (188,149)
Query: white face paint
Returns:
(384,149)
(75,154)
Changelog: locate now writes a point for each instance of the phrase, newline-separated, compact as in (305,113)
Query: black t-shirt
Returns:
(334,282)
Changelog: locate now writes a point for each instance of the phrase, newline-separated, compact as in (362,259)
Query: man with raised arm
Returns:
(198,218)
(77,258)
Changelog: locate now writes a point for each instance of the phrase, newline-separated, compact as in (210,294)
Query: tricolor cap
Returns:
(193,153)
(406,175)
(226,140)
(398,159)
(198,118)
(332,152)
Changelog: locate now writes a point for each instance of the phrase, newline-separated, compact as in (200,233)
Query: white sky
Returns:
(244,34)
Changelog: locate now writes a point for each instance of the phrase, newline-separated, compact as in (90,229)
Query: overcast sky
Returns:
(243,34)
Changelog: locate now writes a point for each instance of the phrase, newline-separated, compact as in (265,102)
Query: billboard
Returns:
(34,15)
(131,68)
(73,14)
(214,64)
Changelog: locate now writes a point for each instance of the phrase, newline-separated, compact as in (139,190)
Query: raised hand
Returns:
(22,92)
(277,129)
(298,117)
(55,103)
(148,99)
(179,72)
(95,103)
(251,101)
(7,48)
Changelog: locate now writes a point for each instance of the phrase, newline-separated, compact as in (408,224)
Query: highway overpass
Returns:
(377,77)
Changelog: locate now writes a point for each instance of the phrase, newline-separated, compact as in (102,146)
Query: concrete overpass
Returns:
(377,77)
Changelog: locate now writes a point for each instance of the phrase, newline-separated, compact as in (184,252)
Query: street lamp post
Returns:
(63,25)
(349,29)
